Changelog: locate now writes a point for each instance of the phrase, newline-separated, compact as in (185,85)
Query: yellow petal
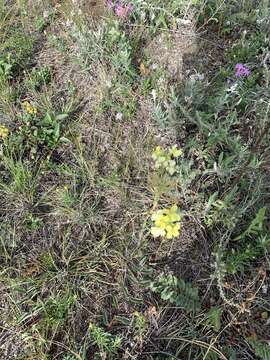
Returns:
(176,229)
(172,231)
(175,152)
(171,171)
(173,209)
(169,227)
(157,215)
(161,223)
(156,232)
(174,217)
(157,151)
(169,235)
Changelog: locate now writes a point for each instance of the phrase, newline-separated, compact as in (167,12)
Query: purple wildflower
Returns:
(120,9)
(109,4)
(123,11)
(241,70)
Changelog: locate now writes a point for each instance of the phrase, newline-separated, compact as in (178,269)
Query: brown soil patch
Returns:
(169,48)
(94,8)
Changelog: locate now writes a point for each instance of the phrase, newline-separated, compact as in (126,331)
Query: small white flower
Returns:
(154,94)
(46,14)
(183,21)
(108,84)
(233,88)
(119,116)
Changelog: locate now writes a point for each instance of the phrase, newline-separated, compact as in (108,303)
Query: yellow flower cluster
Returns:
(166,223)
(30,109)
(166,158)
(4,132)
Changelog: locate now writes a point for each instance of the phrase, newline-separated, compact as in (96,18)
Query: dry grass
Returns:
(75,245)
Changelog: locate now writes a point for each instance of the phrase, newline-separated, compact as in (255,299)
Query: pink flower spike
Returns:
(129,9)
(109,4)
(120,10)
(241,70)
(123,11)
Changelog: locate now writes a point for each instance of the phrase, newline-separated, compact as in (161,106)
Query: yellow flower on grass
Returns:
(157,232)
(166,223)
(172,230)
(159,156)
(165,159)
(157,153)
(173,214)
(175,152)
(170,166)
(30,109)
(162,222)
(4,132)
(158,216)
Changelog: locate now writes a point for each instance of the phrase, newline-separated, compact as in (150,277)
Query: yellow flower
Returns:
(157,214)
(4,132)
(162,222)
(30,109)
(175,152)
(171,166)
(157,153)
(173,215)
(172,230)
(156,232)
(166,223)
(160,219)
(165,159)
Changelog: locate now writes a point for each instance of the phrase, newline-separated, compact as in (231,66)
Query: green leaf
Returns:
(214,317)
(211,355)
(61,117)
(229,352)
(57,131)
(211,201)
(256,225)
(177,291)
(262,349)
(48,119)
